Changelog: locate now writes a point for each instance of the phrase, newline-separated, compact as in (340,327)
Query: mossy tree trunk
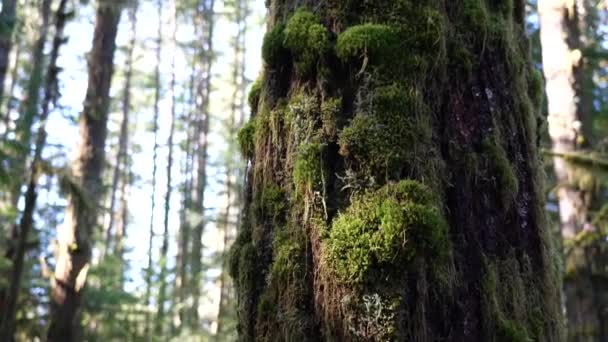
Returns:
(568,75)
(394,191)
(75,237)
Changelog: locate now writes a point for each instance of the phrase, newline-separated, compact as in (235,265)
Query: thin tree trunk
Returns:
(75,238)
(568,97)
(154,168)
(14,80)
(123,139)
(30,105)
(27,219)
(395,192)
(7,25)
(162,292)
(183,252)
(237,107)
(206,20)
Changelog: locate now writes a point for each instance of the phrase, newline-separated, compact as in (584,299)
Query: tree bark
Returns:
(395,189)
(26,222)
(75,238)
(162,291)
(123,140)
(157,86)
(205,19)
(562,38)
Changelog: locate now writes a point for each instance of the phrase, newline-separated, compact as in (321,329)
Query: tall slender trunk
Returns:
(157,86)
(7,25)
(8,97)
(75,238)
(237,108)
(26,222)
(395,192)
(162,291)
(206,21)
(562,37)
(183,251)
(30,105)
(123,139)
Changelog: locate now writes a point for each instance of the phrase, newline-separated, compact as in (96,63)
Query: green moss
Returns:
(509,331)
(536,87)
(307,39)
(272,202)
(508,184)
(367,40)
(384,140)
(254,95)
(273,49)
(246,137)
(308,168)
(385,228)
(475,17)
(330,110)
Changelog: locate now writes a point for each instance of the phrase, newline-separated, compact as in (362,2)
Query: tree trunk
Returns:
(182,259)
(570,130)
(395,188)
(157,86)
(76,235)
(123,139)
(27,219)
(205,21)
(162,291)
(30,105)
(7,25)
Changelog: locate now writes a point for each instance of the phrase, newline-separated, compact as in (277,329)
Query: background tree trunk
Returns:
(395,191)
(75,237)
(563,28)
(26,222)
(8,21)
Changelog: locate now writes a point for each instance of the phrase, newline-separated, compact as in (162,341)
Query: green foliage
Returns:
(307,39)
(384,228)
(367,40)
(246,137)
(273,50)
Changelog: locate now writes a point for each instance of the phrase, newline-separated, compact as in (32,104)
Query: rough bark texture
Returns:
(75,236)
(395,189)
(26,222)
(569,127)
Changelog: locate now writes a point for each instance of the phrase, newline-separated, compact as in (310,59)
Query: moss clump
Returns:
(508,331)
(385,228)
(308,168)
(307,39)
(272,202)
(536,87)
(508,184)
(273,50)
(246,137)
(382,141)
(253,99)
(330,110)
(475,16)
(367,40)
